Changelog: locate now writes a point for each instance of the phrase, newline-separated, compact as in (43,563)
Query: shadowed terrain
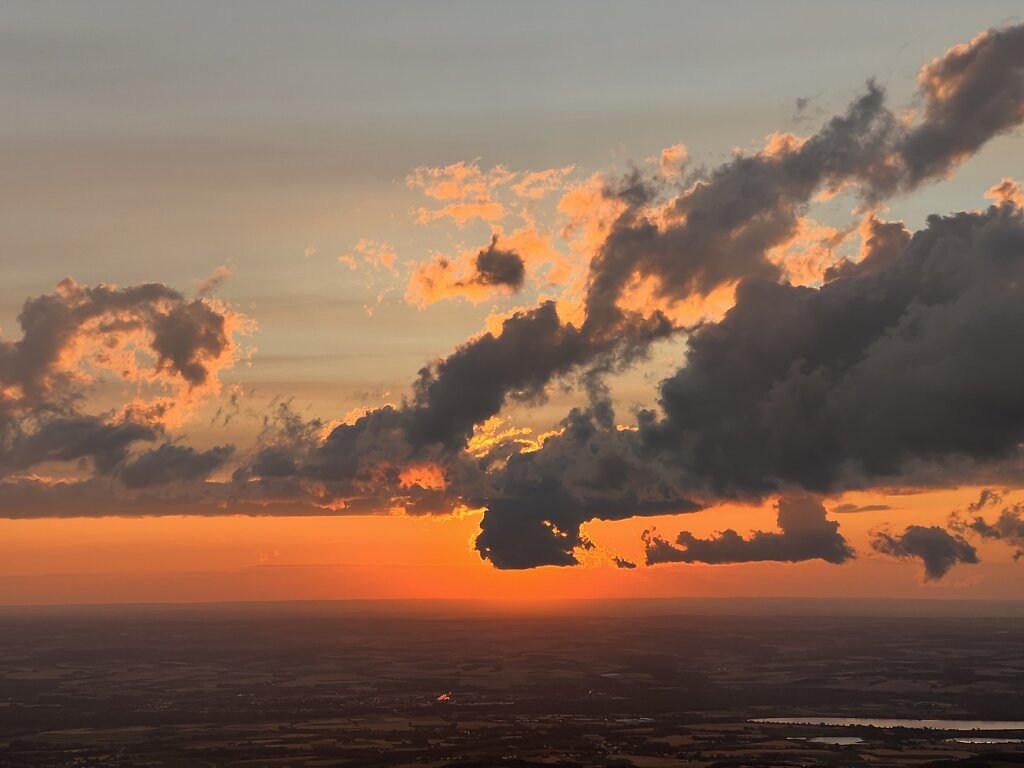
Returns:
(340,684)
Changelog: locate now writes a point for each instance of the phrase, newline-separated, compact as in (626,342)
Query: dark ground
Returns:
(322,685)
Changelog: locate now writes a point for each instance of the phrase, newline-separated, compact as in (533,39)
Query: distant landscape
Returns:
(406,684)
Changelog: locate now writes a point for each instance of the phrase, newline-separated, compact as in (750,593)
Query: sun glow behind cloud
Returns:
(264,558)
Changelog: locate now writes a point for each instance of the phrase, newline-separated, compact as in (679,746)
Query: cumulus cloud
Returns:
(101,328)
(804,534)
(360,464)
(937,549)
(848,384)
(71,438)
(474,382)
(1007,526)
(492,269)
(720,229)
(148,335)
(497,267)
(883,243)
(1006,191)
(589,470)
(173,464)
(972,93)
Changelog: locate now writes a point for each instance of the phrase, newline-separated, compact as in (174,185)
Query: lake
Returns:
(881,722)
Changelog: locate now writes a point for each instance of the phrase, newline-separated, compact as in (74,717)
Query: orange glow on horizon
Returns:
(186,559)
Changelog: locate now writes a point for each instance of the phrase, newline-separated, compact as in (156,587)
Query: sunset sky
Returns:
(533,300)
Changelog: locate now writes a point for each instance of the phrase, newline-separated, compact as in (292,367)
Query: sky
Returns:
(534,300)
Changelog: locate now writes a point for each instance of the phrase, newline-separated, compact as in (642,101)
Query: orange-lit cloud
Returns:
(534,185)
(672,160)
(807,255)
(496,268)
(466,191)
(428,476)
(1006,191)
(372,254)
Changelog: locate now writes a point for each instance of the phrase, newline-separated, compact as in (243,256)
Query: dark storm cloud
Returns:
(357,469)
(885,242)
(495,266)
(362,462)
(79,437)
(786,389)
(938,549)
(454,395)
(721,229)
(974,92)
(804,534)
(851,383)
(1008,526)
(795,387)
(718,231)
(732,219)
(186,336)
(173,464)
(474,382)
(537,503)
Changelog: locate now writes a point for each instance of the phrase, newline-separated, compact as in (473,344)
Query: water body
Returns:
(986,740)
(881,722)
(837,741)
